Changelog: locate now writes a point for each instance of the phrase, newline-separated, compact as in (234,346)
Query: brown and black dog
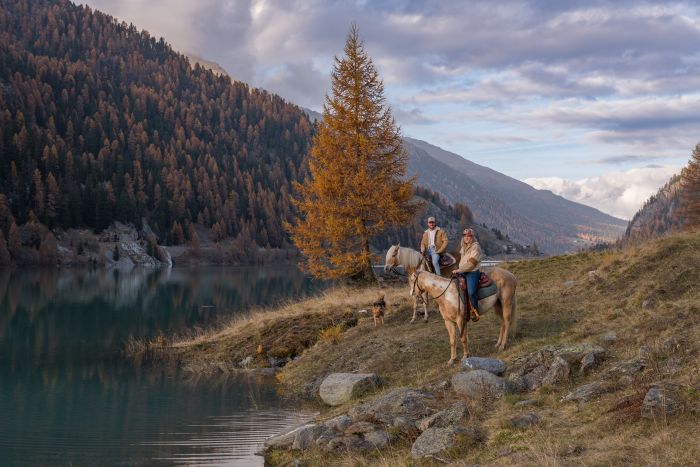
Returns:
(378,308)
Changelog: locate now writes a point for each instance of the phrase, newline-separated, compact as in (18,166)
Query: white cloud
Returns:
(619,193)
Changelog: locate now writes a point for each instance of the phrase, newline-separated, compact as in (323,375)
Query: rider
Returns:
(471,254)
(434,242)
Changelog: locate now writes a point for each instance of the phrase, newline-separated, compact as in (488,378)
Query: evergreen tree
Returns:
(356,188)
(13,241)
(4,253)
(691,190)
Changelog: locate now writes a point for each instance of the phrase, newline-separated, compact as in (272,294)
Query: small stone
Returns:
(401,402)
(515,384)
(435,440)
(558,372)
(492,365)
(277,362)
(453,415)
(588,362)
(246,362)
(608,337)
(526,403)
(339,388)
(478,384)
(573,353)
(377,438)
(404,424)
(285,440)
(525,420)
(569,284)
(585,393)
(658,404)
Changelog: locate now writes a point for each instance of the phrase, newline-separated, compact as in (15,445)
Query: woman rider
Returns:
(471,254)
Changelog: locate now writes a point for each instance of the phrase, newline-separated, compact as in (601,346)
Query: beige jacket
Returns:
(471,257)
(440,241)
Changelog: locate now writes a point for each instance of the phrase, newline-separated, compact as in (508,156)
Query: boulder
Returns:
(411,404)
(434,441)
(608,338)
(525,420)
(453,415)
(534,378)
(658,404)
(339,388)
(346,443)
(478,384)
(306,436)
(492,365)
(558,372)
(573,353)
(339,423)
(585,393)
(377,438)
(588,362)
(285,440)
(359,428)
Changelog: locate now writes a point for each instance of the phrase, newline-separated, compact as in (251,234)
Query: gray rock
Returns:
(435,440)
(588,362)
(453,415)
(525,420)
(404,424)
(285,440)
(277,362)
(306,436)
(515,384)
(534,378)
(478,384)
(658,403)
(627,367)
(401,402)
(585,393)
(492,365)
(339,388)
(526,403)
(346,443)
(438,386)
(339,423)
(575,352)
(608,337)
(558,372)
(377,438)
(569,284)
(245,363)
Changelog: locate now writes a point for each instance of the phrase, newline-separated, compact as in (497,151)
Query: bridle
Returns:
(415,284)
(393,269)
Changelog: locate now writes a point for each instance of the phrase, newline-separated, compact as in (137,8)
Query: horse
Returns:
(504,301)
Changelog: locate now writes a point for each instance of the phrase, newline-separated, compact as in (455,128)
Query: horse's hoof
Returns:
(413,321)
(425,320)
(451,362)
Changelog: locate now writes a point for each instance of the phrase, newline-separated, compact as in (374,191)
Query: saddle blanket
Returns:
(484,292)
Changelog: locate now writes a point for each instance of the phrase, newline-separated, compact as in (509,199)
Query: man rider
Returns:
(434,242)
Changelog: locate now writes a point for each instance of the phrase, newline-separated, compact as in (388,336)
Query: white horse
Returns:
(504,301)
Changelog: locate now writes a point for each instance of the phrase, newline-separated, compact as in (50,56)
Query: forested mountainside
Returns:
(660,213)
(519,210)
(101,122)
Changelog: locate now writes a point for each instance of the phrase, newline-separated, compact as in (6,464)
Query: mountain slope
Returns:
(659,214)
(101,122)
(521,211)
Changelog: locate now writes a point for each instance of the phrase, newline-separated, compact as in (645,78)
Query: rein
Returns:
(415,282)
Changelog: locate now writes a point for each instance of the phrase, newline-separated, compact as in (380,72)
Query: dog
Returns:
(378,308)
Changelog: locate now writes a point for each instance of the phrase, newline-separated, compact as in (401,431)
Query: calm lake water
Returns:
(67,397)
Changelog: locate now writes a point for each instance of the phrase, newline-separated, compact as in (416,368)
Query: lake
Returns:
(67,396)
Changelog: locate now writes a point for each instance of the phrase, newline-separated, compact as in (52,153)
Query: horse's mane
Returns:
(410,258)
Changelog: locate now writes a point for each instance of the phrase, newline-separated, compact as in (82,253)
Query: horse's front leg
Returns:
(425,307)
(415,308)
(462,321)
(450,326)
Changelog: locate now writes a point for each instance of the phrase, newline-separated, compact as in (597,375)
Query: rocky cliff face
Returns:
(659,214)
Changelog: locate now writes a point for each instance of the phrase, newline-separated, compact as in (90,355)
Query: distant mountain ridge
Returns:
(524,213)
(659,214)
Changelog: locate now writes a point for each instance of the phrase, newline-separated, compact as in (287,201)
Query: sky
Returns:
(597,101)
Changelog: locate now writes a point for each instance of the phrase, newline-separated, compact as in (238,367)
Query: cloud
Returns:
(619,193)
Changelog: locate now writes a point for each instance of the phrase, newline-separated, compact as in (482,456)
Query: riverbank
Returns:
(602,338)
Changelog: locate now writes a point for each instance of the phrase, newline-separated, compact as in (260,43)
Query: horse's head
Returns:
(392,258)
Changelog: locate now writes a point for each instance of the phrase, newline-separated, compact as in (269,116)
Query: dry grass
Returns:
(647,294)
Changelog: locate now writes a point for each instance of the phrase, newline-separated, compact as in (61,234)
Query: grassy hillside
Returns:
(647,296)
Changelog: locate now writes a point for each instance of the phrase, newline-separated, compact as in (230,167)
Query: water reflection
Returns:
(67,397)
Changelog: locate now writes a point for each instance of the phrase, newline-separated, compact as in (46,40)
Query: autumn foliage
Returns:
(357,187)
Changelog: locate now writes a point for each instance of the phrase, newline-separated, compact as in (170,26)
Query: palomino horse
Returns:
(412,261)
(504,301)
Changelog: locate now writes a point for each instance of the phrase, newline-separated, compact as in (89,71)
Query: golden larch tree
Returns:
(357,185)
(690,183)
